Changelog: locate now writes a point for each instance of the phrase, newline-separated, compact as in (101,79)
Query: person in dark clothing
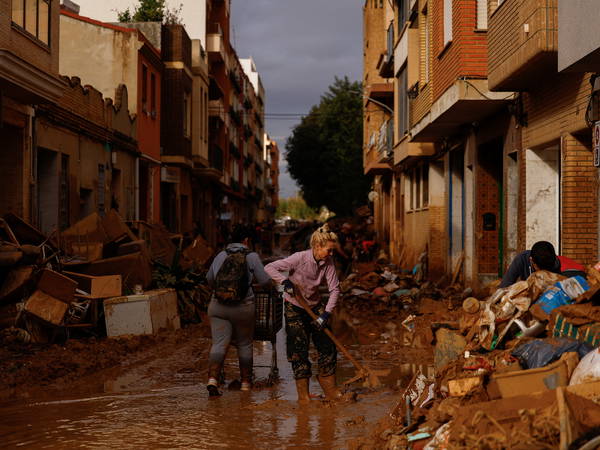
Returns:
(542,256)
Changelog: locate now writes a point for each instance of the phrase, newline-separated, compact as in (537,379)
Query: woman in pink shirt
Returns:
(305,271)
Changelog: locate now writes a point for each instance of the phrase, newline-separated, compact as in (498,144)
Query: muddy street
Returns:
(158,399)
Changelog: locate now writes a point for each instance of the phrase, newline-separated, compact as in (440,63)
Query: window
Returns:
(34,17)
(144,88)
(482,14)
(187,115)
(402,104)
(402,6)
(447,21)
(418,189)
(153,95)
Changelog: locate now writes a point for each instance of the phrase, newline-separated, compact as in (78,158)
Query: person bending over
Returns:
(541,257)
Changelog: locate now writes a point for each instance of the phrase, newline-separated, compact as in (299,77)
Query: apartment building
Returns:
(29,77)
(493,145)
(236,121)
(271,157)
(107,56)
(378,104)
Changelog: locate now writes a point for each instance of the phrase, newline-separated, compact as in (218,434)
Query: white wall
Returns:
(542,196)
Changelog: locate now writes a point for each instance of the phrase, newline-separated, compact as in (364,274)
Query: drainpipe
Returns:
(34,176)
(136,189)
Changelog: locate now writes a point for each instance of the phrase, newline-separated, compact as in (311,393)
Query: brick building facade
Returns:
(492,149)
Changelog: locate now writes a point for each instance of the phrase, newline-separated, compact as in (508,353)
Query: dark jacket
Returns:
(520,268)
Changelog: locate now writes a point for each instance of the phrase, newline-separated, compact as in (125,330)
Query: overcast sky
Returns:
(299,46)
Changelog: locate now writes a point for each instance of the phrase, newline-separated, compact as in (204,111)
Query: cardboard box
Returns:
(98,286)
(142,314)
(523,382)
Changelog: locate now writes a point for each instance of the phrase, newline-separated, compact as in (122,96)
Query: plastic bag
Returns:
(562,293)
(541,352)
(588,369)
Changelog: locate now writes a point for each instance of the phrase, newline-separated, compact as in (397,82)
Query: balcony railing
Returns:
(522,43)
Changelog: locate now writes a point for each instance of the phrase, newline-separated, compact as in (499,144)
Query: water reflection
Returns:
(136,410)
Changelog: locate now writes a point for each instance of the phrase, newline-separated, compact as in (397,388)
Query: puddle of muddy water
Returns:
(155,408)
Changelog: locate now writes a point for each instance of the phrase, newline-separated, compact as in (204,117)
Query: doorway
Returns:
(490,207)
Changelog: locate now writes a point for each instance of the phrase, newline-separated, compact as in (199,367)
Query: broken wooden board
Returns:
(57,285)
(15,283)
(87,230)
(24,232)
(46,307)
(91,251)
(197,254)
(115,227)
(97,286)
(134,269)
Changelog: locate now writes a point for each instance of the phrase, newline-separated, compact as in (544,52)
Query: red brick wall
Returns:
(579,199)
(466,55)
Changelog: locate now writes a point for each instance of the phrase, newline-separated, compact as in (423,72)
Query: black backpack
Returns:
(232,282)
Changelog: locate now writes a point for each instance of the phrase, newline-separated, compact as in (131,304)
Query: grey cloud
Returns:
(299,46)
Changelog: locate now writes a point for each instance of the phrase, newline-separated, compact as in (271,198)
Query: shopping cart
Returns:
(268,321)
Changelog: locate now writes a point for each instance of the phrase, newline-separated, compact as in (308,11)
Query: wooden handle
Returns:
(337,343)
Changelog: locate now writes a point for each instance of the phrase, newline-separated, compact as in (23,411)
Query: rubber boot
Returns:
(329,387)
(302,389)
(246,377)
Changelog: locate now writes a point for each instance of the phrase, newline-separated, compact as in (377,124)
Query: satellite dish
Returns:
(373,195)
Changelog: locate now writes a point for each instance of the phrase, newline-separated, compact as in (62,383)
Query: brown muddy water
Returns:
(161,402)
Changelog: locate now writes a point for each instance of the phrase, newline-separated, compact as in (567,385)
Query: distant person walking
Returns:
(302,273)
(231,309)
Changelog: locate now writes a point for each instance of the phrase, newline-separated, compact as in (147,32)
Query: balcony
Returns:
(215,44)
(522,43)
(578,37)
(216,109)
(378,150)
(386,63)
(214,171)
(464,102)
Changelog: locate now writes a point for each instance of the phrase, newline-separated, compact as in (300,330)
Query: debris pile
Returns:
(55,286)
(503,364)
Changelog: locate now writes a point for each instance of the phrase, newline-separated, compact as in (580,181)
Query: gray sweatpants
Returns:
(227,322)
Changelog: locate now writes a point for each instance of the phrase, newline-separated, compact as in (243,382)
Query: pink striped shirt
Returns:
(307,274)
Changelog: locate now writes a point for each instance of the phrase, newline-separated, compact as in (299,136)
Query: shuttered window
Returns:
(447,21)
(482,14)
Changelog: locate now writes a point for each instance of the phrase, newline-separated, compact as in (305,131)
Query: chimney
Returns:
(70,6)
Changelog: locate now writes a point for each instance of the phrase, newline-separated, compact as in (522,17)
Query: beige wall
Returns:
(101,57)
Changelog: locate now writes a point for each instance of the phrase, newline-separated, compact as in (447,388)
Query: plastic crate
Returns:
(268,318)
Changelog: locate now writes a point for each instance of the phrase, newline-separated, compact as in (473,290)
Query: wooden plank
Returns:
(458,267)
(46,307)
(103,286)
(57,285)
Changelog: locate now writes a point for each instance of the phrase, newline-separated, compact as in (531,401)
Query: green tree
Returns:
(296,208)
(151,11)
(324,152)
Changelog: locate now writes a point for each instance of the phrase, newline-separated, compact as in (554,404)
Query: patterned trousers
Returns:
(300,329)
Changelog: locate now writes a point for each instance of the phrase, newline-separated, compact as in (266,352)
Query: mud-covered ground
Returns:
(149,389)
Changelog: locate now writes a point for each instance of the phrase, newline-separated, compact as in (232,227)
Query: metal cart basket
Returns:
(268,321)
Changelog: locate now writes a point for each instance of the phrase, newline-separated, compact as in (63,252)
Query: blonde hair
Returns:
(321,236)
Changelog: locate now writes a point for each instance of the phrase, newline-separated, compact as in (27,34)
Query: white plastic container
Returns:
(142,314)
